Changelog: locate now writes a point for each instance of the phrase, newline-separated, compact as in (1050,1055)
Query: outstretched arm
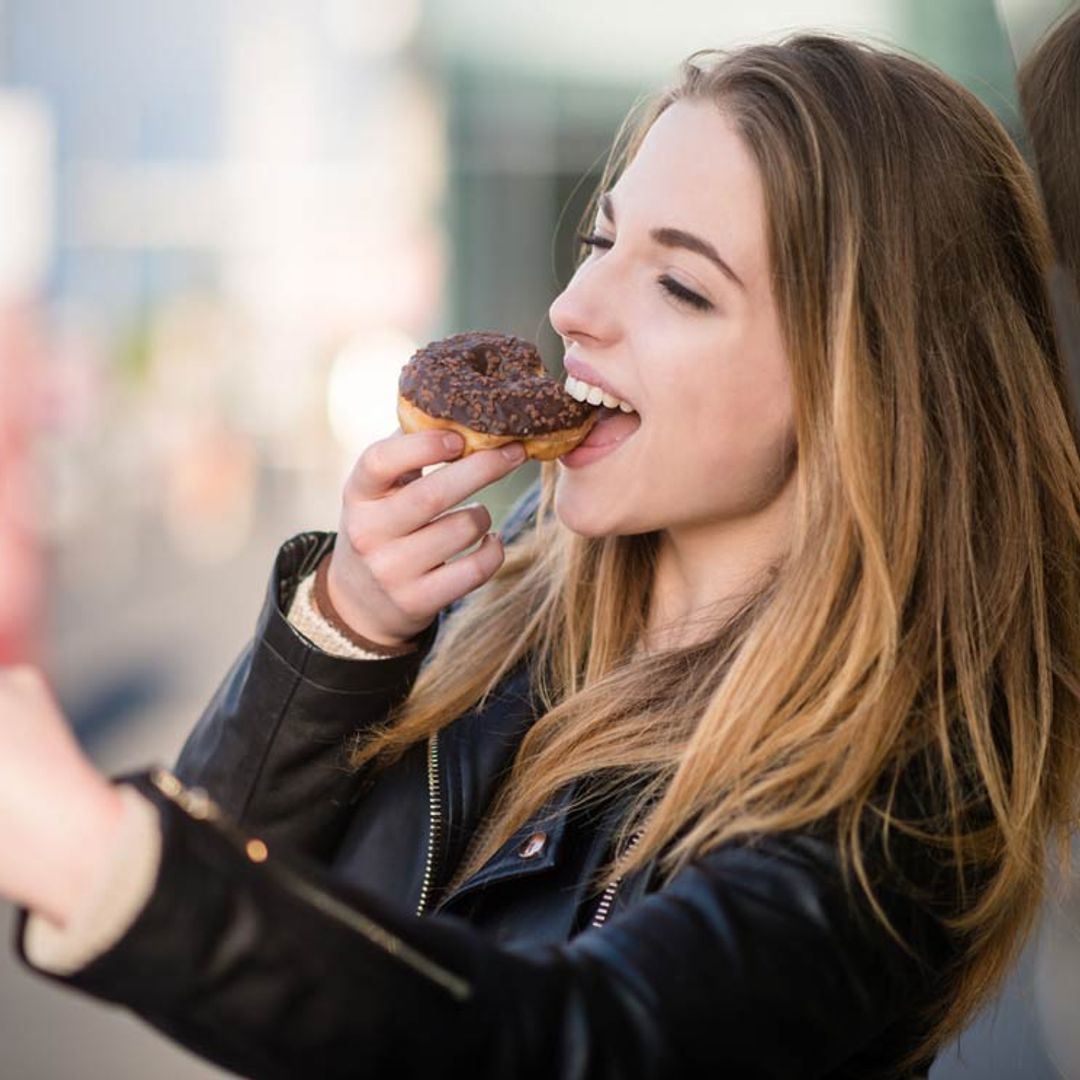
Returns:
(753,962)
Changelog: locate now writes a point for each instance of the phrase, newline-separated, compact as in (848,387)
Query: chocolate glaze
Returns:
(495,383)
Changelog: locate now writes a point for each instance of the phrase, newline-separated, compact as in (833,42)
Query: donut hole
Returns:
(484,362)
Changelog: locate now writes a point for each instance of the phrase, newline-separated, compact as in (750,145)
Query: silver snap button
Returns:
(533,846)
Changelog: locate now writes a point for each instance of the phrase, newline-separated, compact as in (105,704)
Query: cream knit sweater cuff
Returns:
(305,617)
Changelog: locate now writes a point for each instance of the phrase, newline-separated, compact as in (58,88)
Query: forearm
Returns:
(319,953)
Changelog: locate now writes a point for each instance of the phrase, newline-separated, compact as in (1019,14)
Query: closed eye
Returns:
(683,294)
(591,240)
(672,287)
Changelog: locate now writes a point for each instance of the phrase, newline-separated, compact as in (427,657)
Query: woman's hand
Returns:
(389,574)
(59,815)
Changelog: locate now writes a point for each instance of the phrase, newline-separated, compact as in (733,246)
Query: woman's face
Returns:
(673,312)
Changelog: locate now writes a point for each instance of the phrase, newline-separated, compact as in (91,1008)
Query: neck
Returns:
(705,572)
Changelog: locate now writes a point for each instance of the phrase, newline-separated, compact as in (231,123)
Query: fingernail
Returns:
(514,452)
(453,442)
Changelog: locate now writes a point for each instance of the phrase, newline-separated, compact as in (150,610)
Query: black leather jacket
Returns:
(312,962)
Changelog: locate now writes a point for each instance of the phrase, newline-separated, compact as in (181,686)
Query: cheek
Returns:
(734,434)
(746,406)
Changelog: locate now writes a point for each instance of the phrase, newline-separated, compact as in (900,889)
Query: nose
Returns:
(585,310)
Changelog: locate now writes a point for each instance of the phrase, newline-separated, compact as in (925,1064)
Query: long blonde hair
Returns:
(923,632)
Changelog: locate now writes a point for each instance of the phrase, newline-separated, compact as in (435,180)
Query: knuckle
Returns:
(427,499)
(468,527)
(372,460)
(381,567)
(410,605)
(357,529)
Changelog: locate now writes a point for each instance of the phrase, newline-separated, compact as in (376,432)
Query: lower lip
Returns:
(586,455)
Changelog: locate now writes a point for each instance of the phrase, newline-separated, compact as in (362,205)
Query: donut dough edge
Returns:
(544,447)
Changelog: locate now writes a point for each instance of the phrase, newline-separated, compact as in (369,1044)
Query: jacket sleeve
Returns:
(270,746)
(753,962)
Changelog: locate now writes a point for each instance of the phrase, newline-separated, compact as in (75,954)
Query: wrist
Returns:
(330,606)
(116,897)
(68,869)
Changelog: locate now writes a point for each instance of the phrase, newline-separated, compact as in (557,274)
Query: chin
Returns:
(587,517)
(591,529)
(581,516)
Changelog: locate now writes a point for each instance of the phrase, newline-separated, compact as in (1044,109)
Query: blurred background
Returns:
(224,227)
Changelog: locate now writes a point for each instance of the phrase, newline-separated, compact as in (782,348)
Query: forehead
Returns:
(693,171)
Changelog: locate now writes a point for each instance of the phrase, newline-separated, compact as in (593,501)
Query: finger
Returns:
(425,499)
(407,478)
(442,586)
(381,466)
(411,556)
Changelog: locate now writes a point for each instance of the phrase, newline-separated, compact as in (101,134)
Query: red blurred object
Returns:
(21,564)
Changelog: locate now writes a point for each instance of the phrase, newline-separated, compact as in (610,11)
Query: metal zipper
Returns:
(197,804)
(434,821)
(604,907)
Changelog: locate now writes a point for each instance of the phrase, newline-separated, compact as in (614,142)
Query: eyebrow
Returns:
(668,237)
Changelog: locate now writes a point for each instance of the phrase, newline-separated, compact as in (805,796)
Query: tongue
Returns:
(613,426)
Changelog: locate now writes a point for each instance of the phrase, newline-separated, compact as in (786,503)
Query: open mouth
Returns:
(612,426)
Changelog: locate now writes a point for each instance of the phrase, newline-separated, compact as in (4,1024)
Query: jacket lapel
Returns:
(477,751)
(533,849)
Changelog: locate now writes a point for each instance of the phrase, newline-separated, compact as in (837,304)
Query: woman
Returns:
(743,759)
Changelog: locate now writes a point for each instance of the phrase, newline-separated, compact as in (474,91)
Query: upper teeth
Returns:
(583,391)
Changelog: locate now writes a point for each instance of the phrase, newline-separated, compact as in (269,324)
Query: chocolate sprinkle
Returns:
(490,382)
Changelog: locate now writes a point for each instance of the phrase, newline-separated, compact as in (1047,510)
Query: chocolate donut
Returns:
(493,389)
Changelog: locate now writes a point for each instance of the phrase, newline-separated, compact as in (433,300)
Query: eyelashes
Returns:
(681,292)
(672,287)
